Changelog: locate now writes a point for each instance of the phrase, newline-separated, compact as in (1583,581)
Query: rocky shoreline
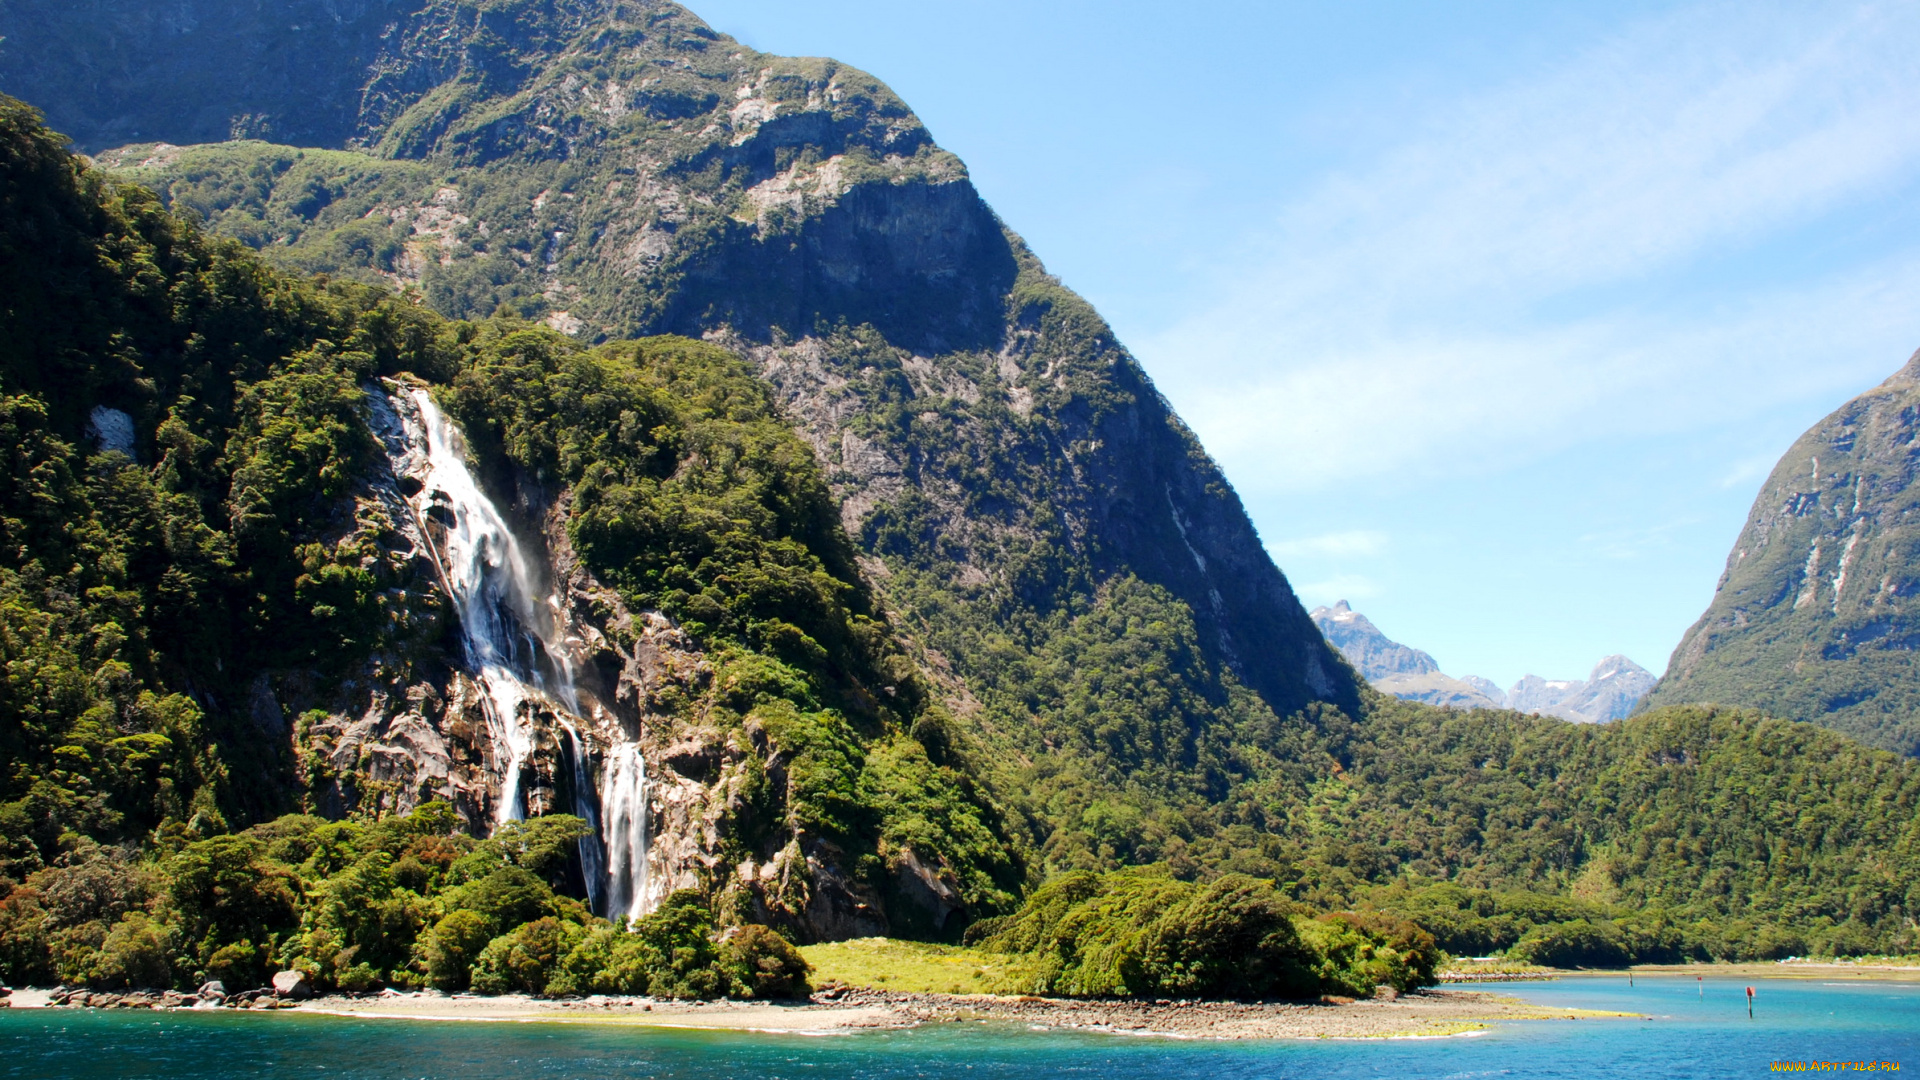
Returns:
(1425,1014)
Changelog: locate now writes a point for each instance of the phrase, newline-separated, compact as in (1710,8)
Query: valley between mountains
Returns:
(534,495)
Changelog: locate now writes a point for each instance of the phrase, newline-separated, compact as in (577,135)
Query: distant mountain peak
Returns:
(1610,692)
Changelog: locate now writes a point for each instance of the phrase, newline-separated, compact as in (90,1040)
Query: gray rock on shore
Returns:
(292,985)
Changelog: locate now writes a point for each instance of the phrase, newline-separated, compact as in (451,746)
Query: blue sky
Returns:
(1496,314)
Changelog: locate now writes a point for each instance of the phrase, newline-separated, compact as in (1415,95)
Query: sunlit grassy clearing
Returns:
(912,966)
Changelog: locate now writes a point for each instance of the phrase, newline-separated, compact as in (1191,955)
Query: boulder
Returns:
(212,988)
(292,985)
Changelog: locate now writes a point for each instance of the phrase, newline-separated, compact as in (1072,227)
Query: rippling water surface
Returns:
(1689,1035)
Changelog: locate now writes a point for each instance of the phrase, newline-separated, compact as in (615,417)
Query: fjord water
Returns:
(1689,1035)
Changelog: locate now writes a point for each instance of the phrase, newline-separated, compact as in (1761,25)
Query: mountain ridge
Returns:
(934,622)
(1813,617)
(1610,692)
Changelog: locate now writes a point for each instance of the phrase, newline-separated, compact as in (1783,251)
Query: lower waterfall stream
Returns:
(511,639)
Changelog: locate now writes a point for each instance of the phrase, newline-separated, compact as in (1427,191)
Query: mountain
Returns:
(1366,648)
(610,419)
(1610,692)
(1613,689)
(1394,668)
(1019,494)
(1817,616)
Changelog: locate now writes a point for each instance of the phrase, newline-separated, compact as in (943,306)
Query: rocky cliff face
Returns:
(413,725)
(1365,647)
(1815,616)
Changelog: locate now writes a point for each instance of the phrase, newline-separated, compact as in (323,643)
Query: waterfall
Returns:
(623,796)
(511,639)
(492,587)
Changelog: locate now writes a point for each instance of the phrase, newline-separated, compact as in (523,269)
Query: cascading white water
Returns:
(511,640)
(623,800)
(491,586)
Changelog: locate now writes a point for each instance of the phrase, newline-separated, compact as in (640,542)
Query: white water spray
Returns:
(623,799)
(491,585)
(511,640)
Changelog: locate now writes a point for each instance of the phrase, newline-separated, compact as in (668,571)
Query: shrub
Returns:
(26,955)
(1144,932)
(676,946)
(766,965)
(1358,952)
(137,952)
(525,959)
(450,948)
(1573,944)
(239,966)
(358,978)
(503,899)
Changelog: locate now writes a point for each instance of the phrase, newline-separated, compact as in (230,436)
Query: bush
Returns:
(1359,952)
(136,953)
(1142,932)
(450,948)
(766,965)
(358,978)
(1574,944)
(675,944)
(26,955)
(239,966)
(1233,937)
(526,959)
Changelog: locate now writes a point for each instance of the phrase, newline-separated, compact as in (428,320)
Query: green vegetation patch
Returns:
(917,967)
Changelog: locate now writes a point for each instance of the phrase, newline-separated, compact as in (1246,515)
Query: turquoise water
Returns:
(1689,1036)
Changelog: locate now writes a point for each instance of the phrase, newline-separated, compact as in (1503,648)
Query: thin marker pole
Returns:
(1701,979)
(1749,1002)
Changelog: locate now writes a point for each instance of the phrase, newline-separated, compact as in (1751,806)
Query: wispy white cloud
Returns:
(1535,267)
(1332,545)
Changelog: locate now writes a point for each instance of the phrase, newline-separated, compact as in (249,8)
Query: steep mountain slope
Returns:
(1393,668)
(614,167)
(1816,617)
(232,584)
(1094,640)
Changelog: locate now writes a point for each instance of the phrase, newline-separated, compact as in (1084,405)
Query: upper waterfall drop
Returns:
(511,636)
(493,591)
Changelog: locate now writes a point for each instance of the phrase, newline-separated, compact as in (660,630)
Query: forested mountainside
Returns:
(891,569)
(1021,493)
(244,607)
(1818,613)
(227,618)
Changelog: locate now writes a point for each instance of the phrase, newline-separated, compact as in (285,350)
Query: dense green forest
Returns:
(140,591)
(143,814)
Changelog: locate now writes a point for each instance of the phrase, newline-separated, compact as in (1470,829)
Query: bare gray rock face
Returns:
(1365,647)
